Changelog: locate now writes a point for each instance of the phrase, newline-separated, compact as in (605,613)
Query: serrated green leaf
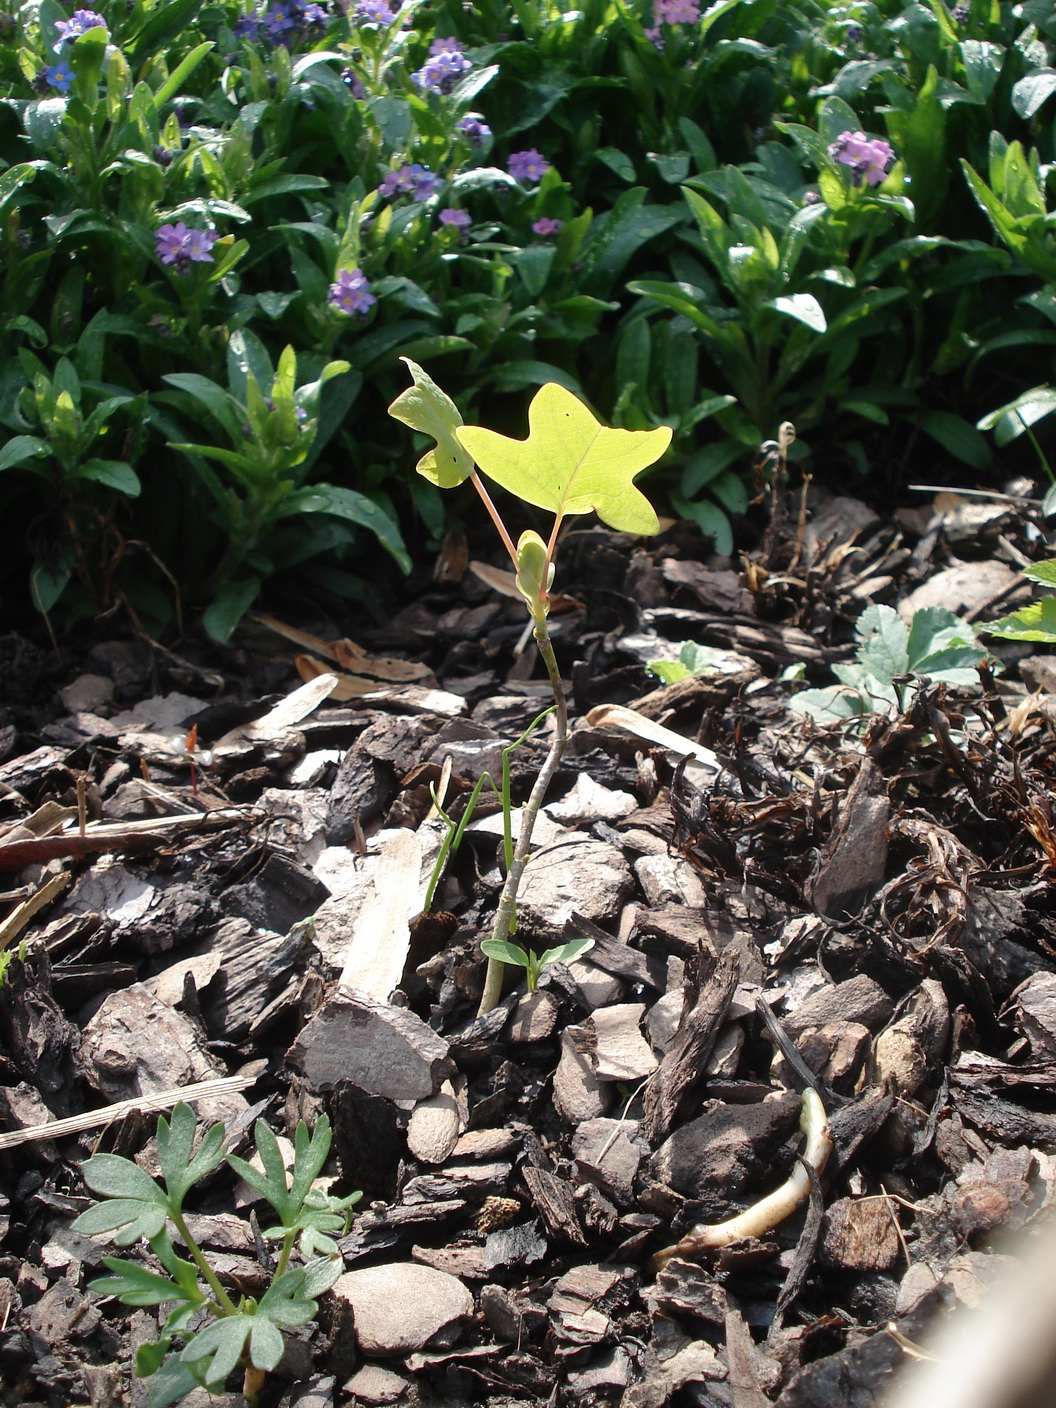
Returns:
(884,638)
(116,1177)
(1043,573)
(1036,622)
(570,463)
(668,671)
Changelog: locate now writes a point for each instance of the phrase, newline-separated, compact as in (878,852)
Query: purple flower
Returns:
(416,180)
(178,246)
(655,38)
(60,76)
(81,23)
(278,21)
(676,11)
(459,219)
(248,27)
(446,46)
(396,183)
(546,226)
(474,129)
(527,166)
(440,73)
(854,34)
(812,198)
(368,12)
(351,292)
(426,182)
(867,157)
(198,246)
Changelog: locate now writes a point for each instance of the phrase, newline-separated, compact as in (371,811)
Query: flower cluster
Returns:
(179,246)
(868,158)
(670,12)
(372,12)
(529,166)
(472,127)
(80,23)
(414,180)
(60,76)
(351,292)
(283,22)
(545,227)
(444,67)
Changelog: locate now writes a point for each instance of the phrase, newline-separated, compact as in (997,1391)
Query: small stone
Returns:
(599,988)
(576,875)
(664,1018)
(858,999)
(401,1306)
(432,1132)
(87,694)
(381,1049)
(1037,1013)
(622,1051)
(589,801)
(534,1017)
(726,1149)
(961,588)
(668,879)
(578,1094)
(373,1384)
(609,1151)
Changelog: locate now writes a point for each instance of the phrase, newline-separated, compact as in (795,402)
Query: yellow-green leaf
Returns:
(426,408)
(570,463)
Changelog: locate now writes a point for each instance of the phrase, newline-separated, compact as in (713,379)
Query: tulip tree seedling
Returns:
(570,464)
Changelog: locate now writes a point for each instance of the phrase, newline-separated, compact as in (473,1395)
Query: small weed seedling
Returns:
(936,644)
(1036,622)
(219,1334)
(502,951)
(693,659)
(569,464)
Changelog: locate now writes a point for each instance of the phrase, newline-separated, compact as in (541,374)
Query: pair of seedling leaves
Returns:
(570,464)
(218,1333)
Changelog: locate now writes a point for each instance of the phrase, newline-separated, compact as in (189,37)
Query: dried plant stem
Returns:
(508,899)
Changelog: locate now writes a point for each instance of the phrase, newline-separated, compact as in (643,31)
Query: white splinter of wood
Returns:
(377,955)
(765,1215)
(617,716)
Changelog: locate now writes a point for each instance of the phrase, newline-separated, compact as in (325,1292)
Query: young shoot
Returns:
(569,464)
(502,951)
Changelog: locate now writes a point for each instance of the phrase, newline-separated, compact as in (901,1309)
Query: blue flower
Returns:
(60,76)
(473,128)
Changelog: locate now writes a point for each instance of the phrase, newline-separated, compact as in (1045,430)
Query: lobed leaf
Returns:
(572,464)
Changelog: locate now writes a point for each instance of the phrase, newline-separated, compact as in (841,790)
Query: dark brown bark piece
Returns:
(855,859)
(616,957)
(686,1057)
(553,1199)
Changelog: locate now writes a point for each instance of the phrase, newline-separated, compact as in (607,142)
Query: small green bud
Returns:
(532,566)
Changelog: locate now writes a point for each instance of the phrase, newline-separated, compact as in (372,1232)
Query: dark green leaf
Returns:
(230,604)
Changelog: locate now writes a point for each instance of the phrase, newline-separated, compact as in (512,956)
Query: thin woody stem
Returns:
(508,899)
(478,484)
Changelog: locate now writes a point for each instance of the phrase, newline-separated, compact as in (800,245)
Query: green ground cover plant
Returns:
(217,1334)
(837,214)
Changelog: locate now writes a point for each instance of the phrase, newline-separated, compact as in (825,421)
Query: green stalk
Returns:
(224,1302)
(504,915)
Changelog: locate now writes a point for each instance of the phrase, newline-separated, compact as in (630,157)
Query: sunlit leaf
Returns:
(570,463)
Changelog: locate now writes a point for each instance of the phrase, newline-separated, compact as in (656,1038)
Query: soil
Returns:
(229,885)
